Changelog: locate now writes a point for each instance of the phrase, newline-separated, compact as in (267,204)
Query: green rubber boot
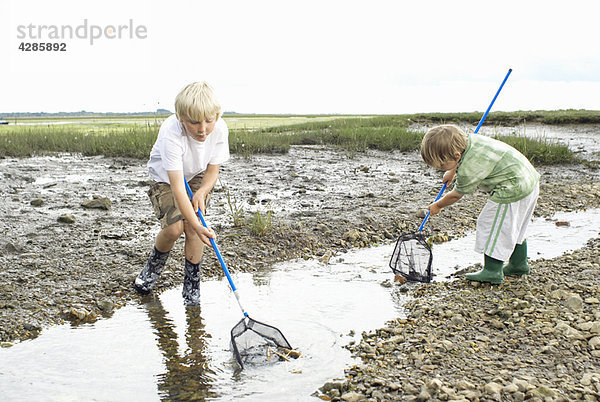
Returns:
(491,272)
(517,264)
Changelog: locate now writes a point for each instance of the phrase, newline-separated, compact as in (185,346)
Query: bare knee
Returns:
(189,232)
(173,231)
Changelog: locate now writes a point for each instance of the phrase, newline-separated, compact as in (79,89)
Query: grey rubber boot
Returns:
(191,283)
(147,277)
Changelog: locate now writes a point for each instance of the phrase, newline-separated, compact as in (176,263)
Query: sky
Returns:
(301,57)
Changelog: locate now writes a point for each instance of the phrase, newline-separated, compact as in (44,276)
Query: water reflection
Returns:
(188,375)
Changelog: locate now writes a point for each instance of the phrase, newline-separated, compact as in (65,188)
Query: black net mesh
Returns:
(254,342)
(412,258)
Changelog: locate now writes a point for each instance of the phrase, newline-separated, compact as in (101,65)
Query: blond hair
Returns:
(197,102)
(441,144)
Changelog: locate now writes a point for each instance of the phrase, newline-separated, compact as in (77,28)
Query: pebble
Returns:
(97,203)
(66,218)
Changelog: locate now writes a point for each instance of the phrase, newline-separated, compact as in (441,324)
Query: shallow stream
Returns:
(158,349)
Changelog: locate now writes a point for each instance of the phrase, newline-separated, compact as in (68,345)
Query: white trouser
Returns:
(501,226)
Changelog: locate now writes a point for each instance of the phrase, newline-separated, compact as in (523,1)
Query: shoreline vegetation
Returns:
(132,136)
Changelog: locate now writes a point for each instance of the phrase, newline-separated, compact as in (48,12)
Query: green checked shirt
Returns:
(497,168)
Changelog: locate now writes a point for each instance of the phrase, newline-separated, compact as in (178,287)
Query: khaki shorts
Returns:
(164,204)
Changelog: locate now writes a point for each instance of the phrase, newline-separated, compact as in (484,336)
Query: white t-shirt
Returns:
(174,150)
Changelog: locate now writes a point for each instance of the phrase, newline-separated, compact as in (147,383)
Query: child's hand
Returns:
(449,176)
(206,234)
(434,209)
(199,201)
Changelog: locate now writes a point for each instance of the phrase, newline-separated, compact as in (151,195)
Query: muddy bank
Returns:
(64,260)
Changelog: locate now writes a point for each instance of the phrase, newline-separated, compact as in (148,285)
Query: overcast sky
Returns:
(355,57)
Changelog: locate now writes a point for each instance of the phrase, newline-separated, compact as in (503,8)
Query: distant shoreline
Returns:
(81,114)
(551,117)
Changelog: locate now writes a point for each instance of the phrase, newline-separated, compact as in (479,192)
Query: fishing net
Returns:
(254,342)
(412,258)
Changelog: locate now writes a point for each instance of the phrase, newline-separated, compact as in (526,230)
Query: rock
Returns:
(434,384)
(38,202)
(410,389)
(464,385)
(78,313)
(424,395)
(439,238)
(353,397)
(421,213)
(66,218)
(352,235)
(594,342)
(458,319)
(394,386)
(592,300)
(497,324)
(595,327)
(559,294)
(493,388)
(574,302)
(106,305)
(523,385)
(321,227)
(470,395)
(97,203)
(584,326)
(568,331)
(32,326)
(510,388)
(11,248)
(587,378)
(448,345)
(543,392)
(449,392)
(326,257)
(328,386)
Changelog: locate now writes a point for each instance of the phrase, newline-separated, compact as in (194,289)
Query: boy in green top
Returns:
(511,182)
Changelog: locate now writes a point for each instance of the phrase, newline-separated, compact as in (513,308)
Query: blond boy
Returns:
(192,143)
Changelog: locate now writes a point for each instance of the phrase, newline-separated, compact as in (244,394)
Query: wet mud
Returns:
(76,230)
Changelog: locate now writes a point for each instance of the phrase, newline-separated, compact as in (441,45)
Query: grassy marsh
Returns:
(557,117)
(249,134)
(126,140)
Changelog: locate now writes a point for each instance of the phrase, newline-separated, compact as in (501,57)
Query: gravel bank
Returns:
(534,338)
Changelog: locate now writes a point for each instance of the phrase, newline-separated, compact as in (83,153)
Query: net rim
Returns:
(245,322)
(421,239)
